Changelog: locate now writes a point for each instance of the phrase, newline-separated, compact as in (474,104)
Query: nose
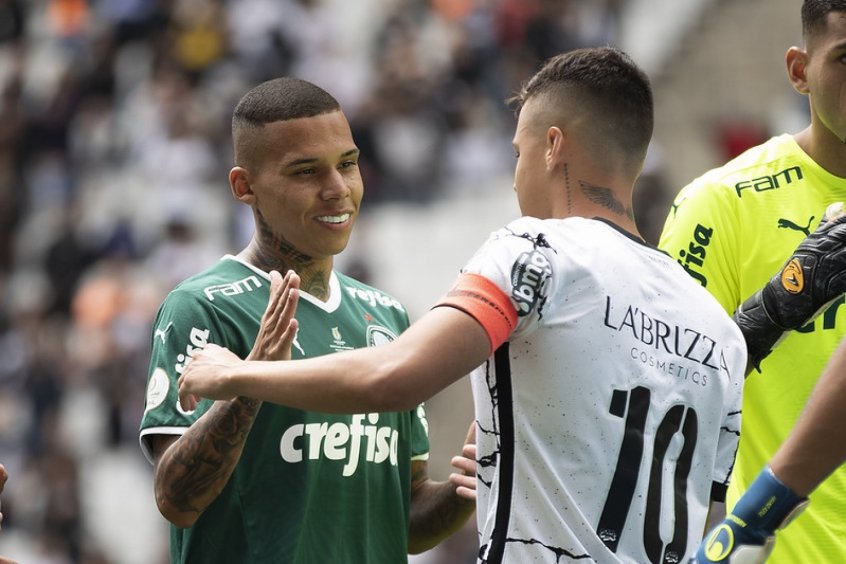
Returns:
(336,186)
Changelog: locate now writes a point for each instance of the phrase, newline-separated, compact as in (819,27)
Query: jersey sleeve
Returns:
(183,325)
(485,302)
(419,434)
(505,285)
(702,233)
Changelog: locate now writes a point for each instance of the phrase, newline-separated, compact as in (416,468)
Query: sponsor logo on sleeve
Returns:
(530,278)
(197,339)
(237,288)
(157,389)
(693,258)
(767,183)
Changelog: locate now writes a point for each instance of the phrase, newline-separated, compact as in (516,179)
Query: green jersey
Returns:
(309,487)
(732,229)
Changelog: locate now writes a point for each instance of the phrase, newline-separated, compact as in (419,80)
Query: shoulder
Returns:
(226,277)
(753,166)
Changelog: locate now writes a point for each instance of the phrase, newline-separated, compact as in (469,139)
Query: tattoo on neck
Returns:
(275,251)
(569,189)
(316,283)
(605,198)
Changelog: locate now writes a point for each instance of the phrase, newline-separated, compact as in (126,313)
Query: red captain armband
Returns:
(485,302)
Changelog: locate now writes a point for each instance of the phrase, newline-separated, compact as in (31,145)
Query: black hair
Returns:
(604,81)
(815,12)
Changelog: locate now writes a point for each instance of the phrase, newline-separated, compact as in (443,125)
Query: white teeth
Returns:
(334,218)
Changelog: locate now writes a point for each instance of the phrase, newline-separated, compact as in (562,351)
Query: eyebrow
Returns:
(311,160)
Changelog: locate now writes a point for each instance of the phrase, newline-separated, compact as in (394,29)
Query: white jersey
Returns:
(611,414)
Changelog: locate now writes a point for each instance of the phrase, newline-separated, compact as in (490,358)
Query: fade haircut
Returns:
(815,13)
(279,99)
(608,86)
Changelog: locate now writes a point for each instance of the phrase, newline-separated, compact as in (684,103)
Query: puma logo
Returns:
(162,333)
(675,206)
(787,224)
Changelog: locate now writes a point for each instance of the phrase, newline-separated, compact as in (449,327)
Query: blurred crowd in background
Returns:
(114,153)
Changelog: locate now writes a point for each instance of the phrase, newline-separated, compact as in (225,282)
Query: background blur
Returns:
(114,153)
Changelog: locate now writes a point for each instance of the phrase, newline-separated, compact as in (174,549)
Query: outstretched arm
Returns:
(813,277)
(814,449)
(192,470)
(440,348)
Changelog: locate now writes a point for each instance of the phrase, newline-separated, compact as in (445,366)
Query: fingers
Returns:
(834,211)
(276,334)
(187,400)
(465,464)
(465,486)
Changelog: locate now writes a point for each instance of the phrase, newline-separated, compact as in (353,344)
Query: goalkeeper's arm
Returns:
(814,449)
(813,277)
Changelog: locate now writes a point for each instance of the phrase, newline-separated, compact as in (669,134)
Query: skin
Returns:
(305,196)
(819,72)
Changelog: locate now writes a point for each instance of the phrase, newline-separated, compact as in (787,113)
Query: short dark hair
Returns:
(604,81)
(279,99)
(815,12)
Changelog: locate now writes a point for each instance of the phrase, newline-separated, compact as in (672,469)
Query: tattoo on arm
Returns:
(436,511)
(202,461)
(605,198)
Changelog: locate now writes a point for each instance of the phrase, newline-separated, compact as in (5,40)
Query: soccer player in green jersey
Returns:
(734,226)
(241,481)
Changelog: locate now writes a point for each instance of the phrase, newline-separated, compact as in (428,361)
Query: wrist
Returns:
(760,330)
(768,505)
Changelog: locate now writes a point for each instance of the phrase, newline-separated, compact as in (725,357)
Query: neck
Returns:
(607,197)
(824,148)
(314,274)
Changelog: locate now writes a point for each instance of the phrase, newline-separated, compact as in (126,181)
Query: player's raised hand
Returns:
(465,480)
(278,326)
(747,534)
(813,277)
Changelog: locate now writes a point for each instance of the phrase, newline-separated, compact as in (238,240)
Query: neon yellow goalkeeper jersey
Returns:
(732,229)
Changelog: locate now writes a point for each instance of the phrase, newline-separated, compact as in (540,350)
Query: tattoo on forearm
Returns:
(208,453)
(605,198)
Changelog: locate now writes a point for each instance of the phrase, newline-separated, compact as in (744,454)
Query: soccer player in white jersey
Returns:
(608,383)
(243,481)
(736,225)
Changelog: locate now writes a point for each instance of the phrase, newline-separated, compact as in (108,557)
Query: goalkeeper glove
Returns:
(813,277)
(747,534)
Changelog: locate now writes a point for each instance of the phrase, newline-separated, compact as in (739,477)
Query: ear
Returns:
(796,60)
(239,183)
(555,142)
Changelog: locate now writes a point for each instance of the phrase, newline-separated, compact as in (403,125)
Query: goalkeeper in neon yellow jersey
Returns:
(736,226)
